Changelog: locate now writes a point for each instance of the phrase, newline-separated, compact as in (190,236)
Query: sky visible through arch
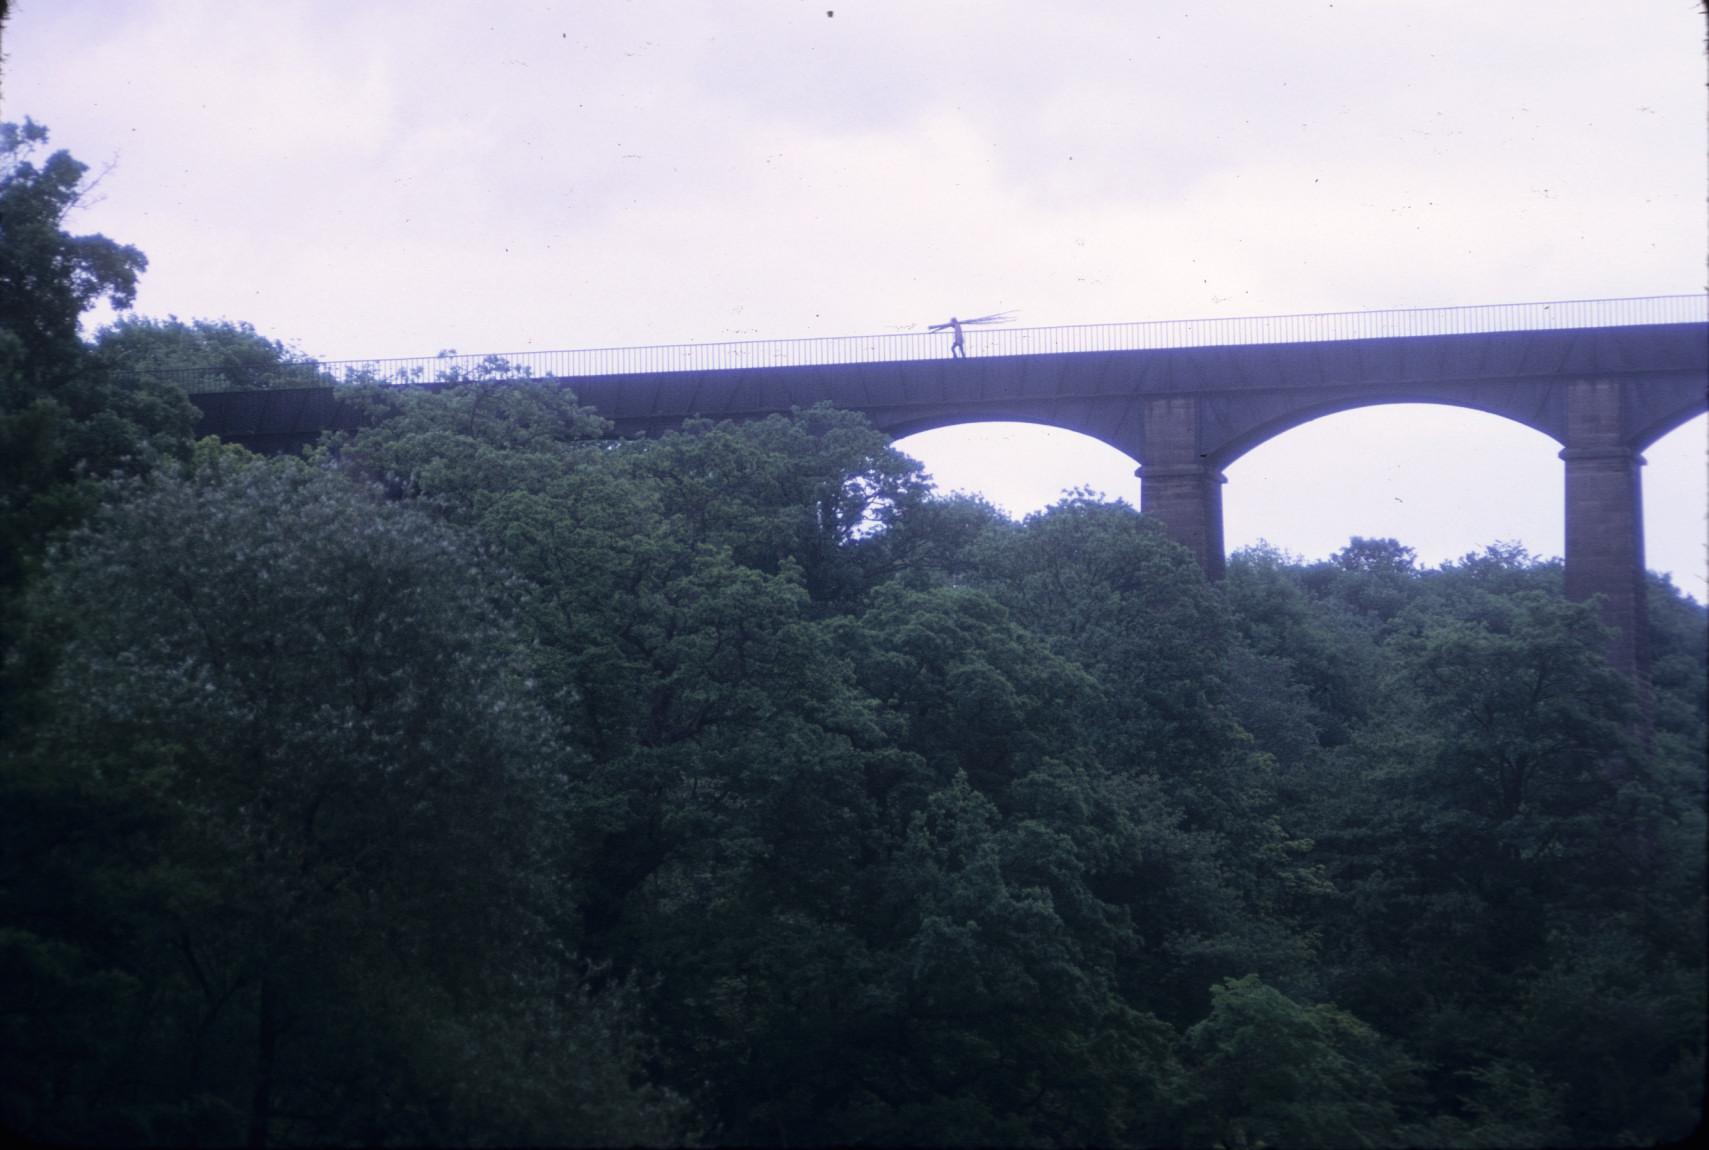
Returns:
(1444,480)
(396,178)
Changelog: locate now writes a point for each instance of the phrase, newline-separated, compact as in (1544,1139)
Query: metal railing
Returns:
(999,341)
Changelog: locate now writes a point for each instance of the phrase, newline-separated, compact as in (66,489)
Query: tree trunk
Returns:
(267,1041)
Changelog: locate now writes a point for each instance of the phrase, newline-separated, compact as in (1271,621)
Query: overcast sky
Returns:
(378,179)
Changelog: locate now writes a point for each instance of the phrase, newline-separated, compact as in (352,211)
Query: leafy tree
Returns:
(1612,1027)
(754,821)
(464,450)
(292,818)
(821,489)
(1331,655)
(960,916)
(1117,597)
(1112,593)
(943,541)
(1679,671)
(1374,578)
(202,355)
(1376,557)
(63,424)
(1267,1070)
(1490,825)
(1497,784)
(49,278)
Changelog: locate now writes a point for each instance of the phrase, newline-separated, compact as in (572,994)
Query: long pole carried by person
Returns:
(958,344)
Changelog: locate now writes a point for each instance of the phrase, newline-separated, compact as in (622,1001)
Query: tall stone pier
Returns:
(1605,520)
(1179,485)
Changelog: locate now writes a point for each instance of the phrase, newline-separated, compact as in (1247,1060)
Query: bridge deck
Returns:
(1245,392)
(1005,341)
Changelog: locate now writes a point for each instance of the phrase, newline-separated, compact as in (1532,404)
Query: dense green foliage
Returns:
(64,424)
(203,355)
(480,779)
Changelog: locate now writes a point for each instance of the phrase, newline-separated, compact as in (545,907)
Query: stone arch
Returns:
(975,455)
(912,424)
(1676,511)
(1534,410)
(1443,478)
(1664,417)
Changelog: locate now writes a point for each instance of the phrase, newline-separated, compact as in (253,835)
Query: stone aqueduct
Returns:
(1185,413)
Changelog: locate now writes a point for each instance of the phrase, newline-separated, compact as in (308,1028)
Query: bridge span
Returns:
(1604,378)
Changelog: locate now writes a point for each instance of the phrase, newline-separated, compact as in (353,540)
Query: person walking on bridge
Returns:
(957,347)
